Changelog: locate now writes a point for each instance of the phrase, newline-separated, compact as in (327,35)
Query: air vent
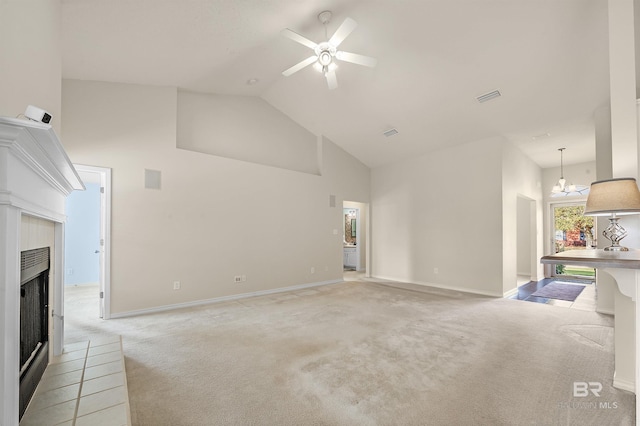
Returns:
(488,96)
(390,132)
(541,136)
(32,263)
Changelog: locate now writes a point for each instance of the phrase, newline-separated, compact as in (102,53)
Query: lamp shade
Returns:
(620,196)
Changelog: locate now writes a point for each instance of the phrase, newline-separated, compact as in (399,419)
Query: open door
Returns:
(572,231)
(356,242)
(87,237)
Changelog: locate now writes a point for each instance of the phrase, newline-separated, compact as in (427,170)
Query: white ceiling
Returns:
(548,58)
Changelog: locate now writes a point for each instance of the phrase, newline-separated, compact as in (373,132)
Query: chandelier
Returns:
(561,189)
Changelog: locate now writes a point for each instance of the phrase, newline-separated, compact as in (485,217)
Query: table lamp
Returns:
(613,197)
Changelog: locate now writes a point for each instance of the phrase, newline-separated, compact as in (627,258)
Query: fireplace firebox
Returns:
(34,321)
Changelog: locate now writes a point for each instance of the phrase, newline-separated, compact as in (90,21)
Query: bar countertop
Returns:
(596,258)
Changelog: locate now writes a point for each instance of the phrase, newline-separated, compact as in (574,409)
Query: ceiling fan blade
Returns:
(297,67)
(342,32)
(354,58)
(332,80)
(298,38)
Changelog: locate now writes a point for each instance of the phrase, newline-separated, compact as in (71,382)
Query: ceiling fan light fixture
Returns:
(326,51)
(325,58)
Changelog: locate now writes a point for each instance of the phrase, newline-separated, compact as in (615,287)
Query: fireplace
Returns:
(34,321)
(36,176)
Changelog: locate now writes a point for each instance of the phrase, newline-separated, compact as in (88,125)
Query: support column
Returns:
(622,77)
(605,283)
(624,156)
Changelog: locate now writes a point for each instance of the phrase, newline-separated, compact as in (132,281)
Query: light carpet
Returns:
(364,353)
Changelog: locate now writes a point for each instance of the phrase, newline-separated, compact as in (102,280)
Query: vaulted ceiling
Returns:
(548,59)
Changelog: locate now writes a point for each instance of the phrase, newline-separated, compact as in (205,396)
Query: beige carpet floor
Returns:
(364,353)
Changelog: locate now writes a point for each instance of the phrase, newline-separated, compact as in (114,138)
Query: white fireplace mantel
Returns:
(36,176)
(31,154)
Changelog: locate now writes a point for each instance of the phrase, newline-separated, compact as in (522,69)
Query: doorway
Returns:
(572,231)
(87,247)
(355,238)
(526,244)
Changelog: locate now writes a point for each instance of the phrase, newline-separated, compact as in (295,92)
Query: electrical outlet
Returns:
(435,271)
(237,279)
(313,270)
(244,278)
(176,285)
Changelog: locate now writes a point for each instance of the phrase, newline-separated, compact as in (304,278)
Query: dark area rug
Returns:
(556,290)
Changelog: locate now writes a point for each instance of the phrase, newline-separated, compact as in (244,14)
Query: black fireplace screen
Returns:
(34,320)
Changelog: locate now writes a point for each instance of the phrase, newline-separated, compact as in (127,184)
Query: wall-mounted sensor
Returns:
(37,114)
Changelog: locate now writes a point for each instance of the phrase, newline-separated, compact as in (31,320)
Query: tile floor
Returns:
(86,385)
(586,301)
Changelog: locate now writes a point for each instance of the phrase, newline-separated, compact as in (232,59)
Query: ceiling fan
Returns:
(326,51)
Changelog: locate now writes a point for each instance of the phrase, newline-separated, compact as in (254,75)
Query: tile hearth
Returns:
(86,385)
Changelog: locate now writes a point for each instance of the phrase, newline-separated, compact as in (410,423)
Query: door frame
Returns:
(363,263)
(531,236)
(551,238)
(105,235)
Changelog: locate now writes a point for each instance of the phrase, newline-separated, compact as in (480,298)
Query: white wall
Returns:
(444,211)
(30,73)
(520,177)
(244,128)
(30,57)
(214,217)
(456,210)
(523,236)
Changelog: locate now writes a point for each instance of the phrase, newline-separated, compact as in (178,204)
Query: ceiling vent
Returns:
(488,96)
(541,136)
(390,132)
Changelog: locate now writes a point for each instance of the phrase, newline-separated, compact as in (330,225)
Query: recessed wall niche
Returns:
(244,128)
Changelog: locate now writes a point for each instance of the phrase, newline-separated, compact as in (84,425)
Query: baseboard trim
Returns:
(606,311)
(623,384)
(220,299)
(512,292)
(441,286)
